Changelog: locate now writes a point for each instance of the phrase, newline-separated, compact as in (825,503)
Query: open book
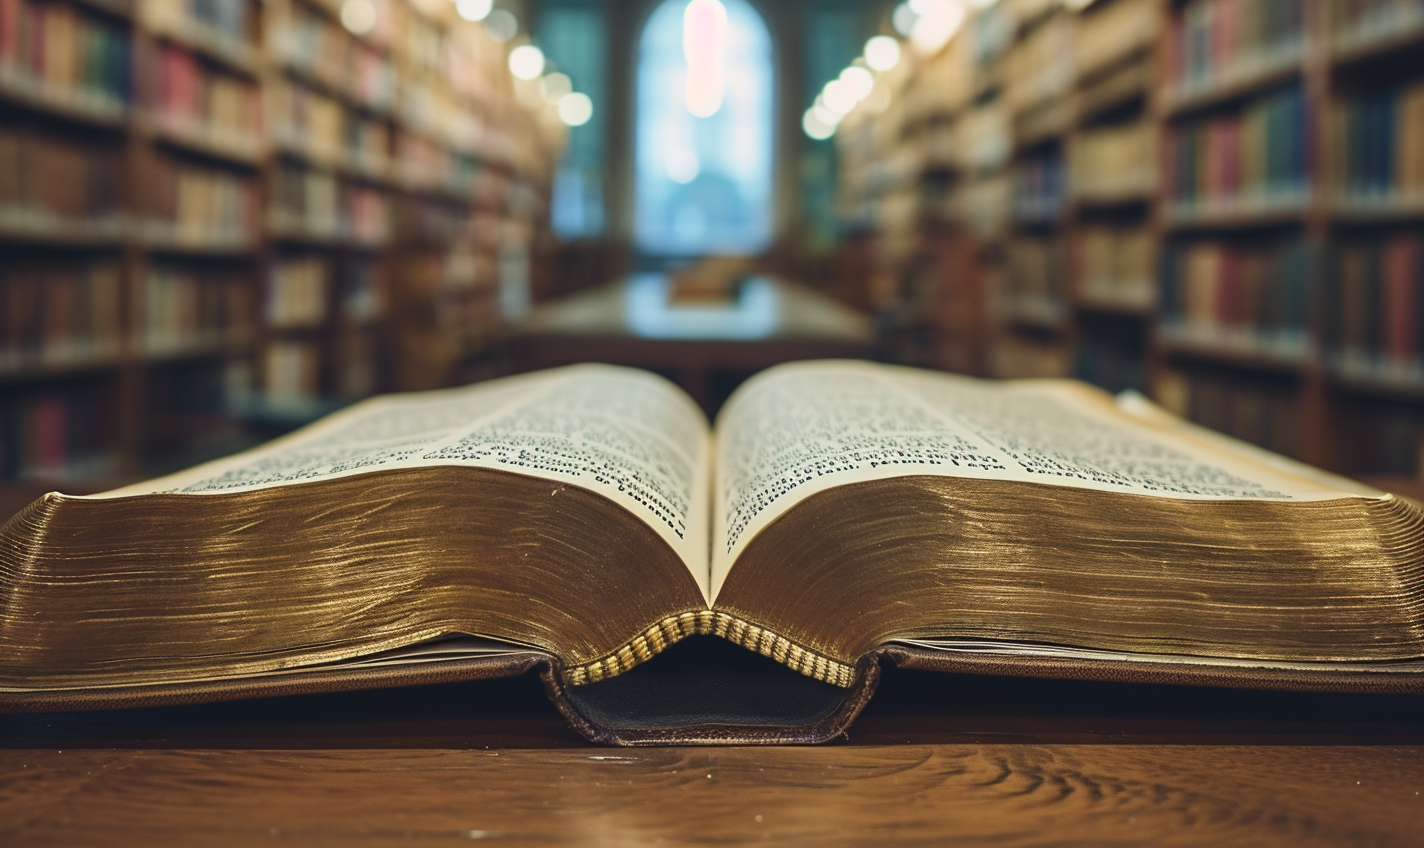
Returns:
(839,515)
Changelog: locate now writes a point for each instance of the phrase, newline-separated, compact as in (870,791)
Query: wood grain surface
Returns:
(1005,795)
(936,760)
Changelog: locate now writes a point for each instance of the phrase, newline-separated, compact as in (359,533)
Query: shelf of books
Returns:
(1220,202)
(202,228)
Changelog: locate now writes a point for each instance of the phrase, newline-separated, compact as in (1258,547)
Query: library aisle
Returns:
(221,219)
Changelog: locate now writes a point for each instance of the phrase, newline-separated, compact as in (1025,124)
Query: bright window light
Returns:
(903,19)
(526,62)
(358,16)
(859,80)
(838,96)
(501,26)
(575,109)
(882,53)
(939,23)
(814,127)
(554,86)
(704,44)
(683,166)
(474,10)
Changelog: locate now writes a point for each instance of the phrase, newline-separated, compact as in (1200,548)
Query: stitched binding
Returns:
(674,628)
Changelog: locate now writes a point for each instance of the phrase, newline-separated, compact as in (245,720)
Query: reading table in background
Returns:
(935,760)
(705,348)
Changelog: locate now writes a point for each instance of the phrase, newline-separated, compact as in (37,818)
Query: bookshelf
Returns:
(1221,203)
(202,227)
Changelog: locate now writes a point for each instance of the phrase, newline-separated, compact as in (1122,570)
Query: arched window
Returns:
(703,184)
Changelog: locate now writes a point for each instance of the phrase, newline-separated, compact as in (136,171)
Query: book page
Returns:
(626,434)
(803,428)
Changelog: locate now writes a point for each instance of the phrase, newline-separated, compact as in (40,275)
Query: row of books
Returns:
(1110,361)
(1361,21)
(306,122)
(310,203)
(55,432)
(1248,297)
(1215,42)
(1113,30)
(65,52)
(229,19)
(1037,280)
(1118,266)
(1373,310)
(298,291)
(314,45)
(58,313)
(1114,162)
(197,205)
(291,370)
(192,95)
(1039,186)
(49,180)
(422,164)
(1252,160)
(1379,145)
(1261,411)
(1039,68)
(187,308)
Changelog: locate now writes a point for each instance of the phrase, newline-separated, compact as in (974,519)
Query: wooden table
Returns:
(935,760)
(706,349)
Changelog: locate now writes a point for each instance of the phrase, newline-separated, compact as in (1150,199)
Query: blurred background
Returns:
(220,219)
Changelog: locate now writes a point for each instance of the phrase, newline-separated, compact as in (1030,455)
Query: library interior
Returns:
(222,219)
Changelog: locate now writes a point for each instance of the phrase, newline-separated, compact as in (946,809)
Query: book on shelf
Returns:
(1037,285)
(58,313)
(1248,297)
(54,432)
(55,182)
(222,26)
(1017,356)
(1111,32)
(298,291)
(1263,412)
(187,309)
(305,40)
(1040,186)
(1378,149)
(1114,162)
(67,53)
(199,206)
(567,521)
(1040,67)
(191,98)
(291,371)
(1219,43)
(1118,266)
(1374,308)
(1110,361)
(1251,160)
(306,122)
(1360,24)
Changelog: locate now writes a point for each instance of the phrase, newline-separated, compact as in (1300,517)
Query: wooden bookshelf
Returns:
(1288,343)
(176,120)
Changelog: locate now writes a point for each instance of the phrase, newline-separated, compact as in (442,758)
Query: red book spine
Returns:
(1399,298)
(11,19)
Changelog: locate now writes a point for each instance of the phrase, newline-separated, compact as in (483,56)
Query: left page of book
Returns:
(628,435)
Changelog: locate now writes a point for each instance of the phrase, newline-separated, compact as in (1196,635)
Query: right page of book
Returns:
(803,428)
